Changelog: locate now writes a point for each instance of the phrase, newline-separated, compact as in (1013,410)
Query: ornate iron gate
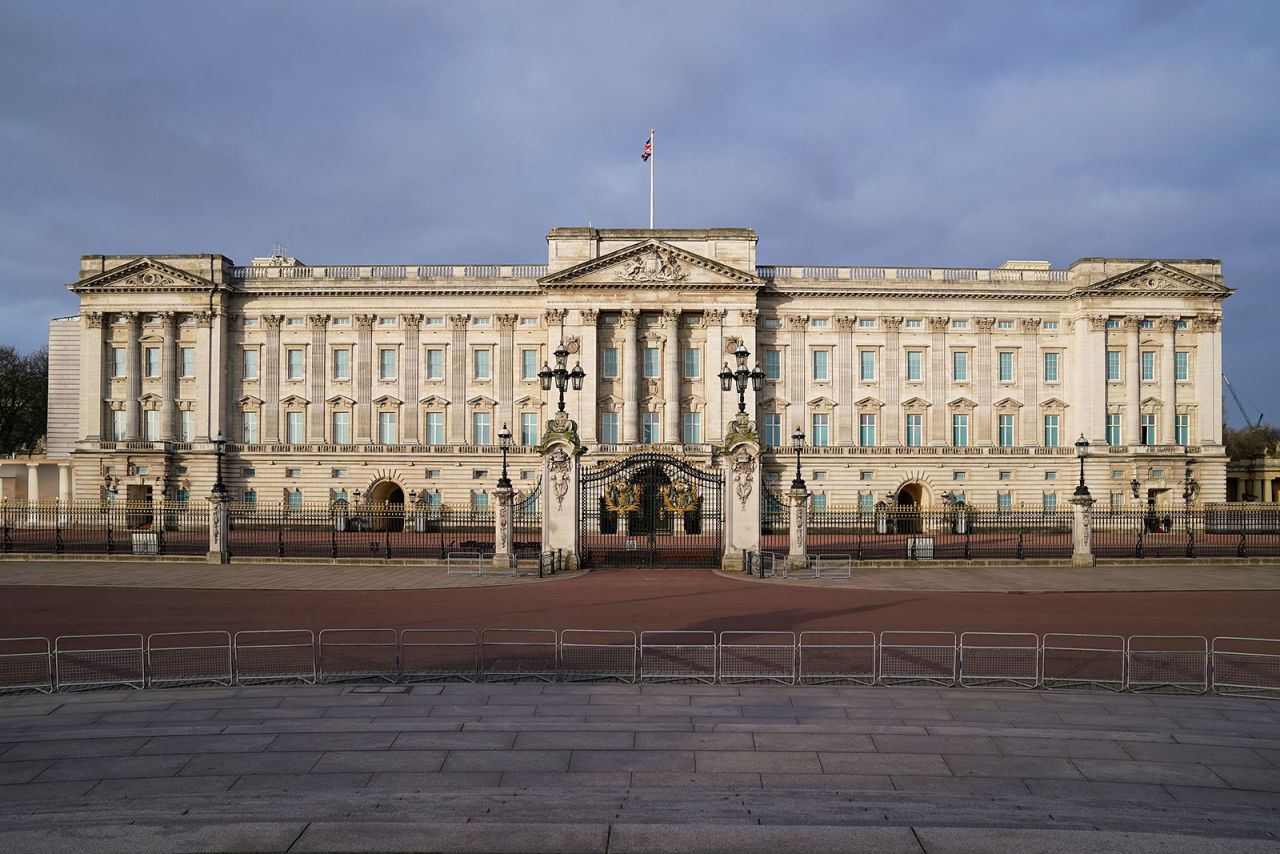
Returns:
(651,510)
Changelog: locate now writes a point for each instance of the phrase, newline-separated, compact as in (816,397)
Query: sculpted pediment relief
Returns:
(340,400)
(654,264)
(481,400)
(915,403)
(433,400)
(388,399)
(294,400)
(1158,278)
(145,274)
(1007,403)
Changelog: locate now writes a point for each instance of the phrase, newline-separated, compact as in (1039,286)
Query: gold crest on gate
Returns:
(622,497)
(680,497)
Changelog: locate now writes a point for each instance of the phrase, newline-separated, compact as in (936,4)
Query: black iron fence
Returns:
(964,532)
(1213,531)
(104,527)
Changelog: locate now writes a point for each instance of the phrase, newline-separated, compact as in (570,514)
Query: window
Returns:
(609,428)
(867,429)
(1113,429)
(1182,365)
(435,364)
(1113,323)
(480,364)
(248,472)
(1051,431)
(652,362)
(692,363)
(295,499)
(1148,365)
(1157,474)
(773,429)
(820,322)
(960,366)
(251,496)
(960,430)
(433,321)
(959,324)
(915,430)
(609,362)
(387,363)
(1181,429)
(387,433)
(528,364)
(340,321)
(1005,361)
(528,428)
(1004,324)
(915,365)
(182,494)
(866,323)
(773,364)
(1113,366)
(821,365)
(338,473)
(342,364)
(959,475)
(1051,475)
(528,321)
(820,429)
(435,428)
(1050,501)
(1004,501)
(186,426)
(1147,323)
(117,361)
(479,474)
(915,323)
(293,428)
(866,502)
(186,361)
(1051,367)
(865,475)
(1118,474)
(249,427)
(151,361)
(386,321)
(867,365)
(294,362)
(819,501)
(1005,431)
(480,428)
(341,434)
(772,322)
(1006,475)
(293,472)
(819,475)
(650,428)
(151,425)
(293,321)
(692,428)
(1148,427)
(1051,324)
(1179,324)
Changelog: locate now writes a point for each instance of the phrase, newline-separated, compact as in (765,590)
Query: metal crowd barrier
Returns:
(1170,664)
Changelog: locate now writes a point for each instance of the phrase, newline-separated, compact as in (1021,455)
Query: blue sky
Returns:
(905,132)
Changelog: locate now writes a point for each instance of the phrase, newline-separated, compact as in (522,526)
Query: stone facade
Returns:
(908,382)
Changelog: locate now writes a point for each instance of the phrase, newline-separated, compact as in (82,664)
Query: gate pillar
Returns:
(798,553)
(743,483)
(1082,531)
(219,523)
(504,530)
(561,467)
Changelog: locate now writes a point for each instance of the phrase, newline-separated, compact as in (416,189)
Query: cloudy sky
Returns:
(899,132)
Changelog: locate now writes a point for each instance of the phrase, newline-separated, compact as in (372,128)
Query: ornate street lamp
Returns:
(1189,485)
(561,375)
(219,488)
(1082,451)
(797,441)
(504,439)
(742,376)
(1134,484)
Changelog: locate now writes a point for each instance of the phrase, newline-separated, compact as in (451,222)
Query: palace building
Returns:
(395,380)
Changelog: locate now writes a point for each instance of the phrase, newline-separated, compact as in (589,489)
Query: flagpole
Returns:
(651,180)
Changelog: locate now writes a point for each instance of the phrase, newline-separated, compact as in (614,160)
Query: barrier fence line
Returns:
(1183,664)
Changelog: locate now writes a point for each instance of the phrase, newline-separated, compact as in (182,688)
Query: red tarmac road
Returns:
(635,600)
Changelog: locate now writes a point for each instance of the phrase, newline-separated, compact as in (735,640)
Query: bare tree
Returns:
(24,400)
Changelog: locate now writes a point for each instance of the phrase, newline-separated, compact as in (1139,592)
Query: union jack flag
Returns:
(648,148)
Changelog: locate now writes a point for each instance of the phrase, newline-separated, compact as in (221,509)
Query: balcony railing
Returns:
(395,272)
(964,275)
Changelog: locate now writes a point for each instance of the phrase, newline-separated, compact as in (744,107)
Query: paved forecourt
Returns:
(652,768)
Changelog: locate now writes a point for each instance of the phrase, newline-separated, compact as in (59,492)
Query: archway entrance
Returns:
(387,500)
(910,497)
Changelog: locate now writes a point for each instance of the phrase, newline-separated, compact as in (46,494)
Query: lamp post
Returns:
(504,439)
(797,441)
(219,488)
(742,376)
(1134,484)
(1082,451)
(561,375)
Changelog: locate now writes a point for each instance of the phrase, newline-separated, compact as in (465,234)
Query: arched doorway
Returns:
(911,495)
(387,500)
(910,499)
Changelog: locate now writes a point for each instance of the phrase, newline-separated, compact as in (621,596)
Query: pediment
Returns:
(529,400)
(916,403)
(145,275)
(962,403)
(481,400)
(249,400)
(1158,279)
(1152,402)
(1007,403)
(611,399)
(295,400)
(340,400)
(433,400)
(388,399)
(821,401)
(652,264)
(1053,403)
(869,402)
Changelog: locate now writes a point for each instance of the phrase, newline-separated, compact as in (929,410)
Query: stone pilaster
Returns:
(271,379)
(363,428)
(412,384)
(588,398)
(1032,432)
(1207,358)
(632,372)
(939,372)
(848,367)
(712,321)
(506,377)
(891,382)
(93,379)
(982,382)
(1168,388)
(133,365)
(319,324)
(797,373)
(671,376)
(169,377)
(204,375)
(1133,381)
(217,376)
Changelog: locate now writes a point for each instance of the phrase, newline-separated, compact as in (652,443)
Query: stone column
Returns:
(169,377)
(93,378)
(271,379)
(848,367)
(504,530)
(982,382)
(671,375)
(1032,432)
(939,371)
(319,324)
(743,482)
(133,364)
(216,375)
(1082,531)
(561,462)
(1133,382)
(1207,357)
(363,427)
(713,356)
(1090,383)
(218,526)
(588,399)
(33,482)
(506,373)
(64,482)
(456,420)
(411,383)
(204,375)
(891,382)
(797,374)
(1168,388)
(632,373)
(798,553)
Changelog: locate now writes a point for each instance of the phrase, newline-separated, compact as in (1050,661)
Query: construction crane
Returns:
(1240,404)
